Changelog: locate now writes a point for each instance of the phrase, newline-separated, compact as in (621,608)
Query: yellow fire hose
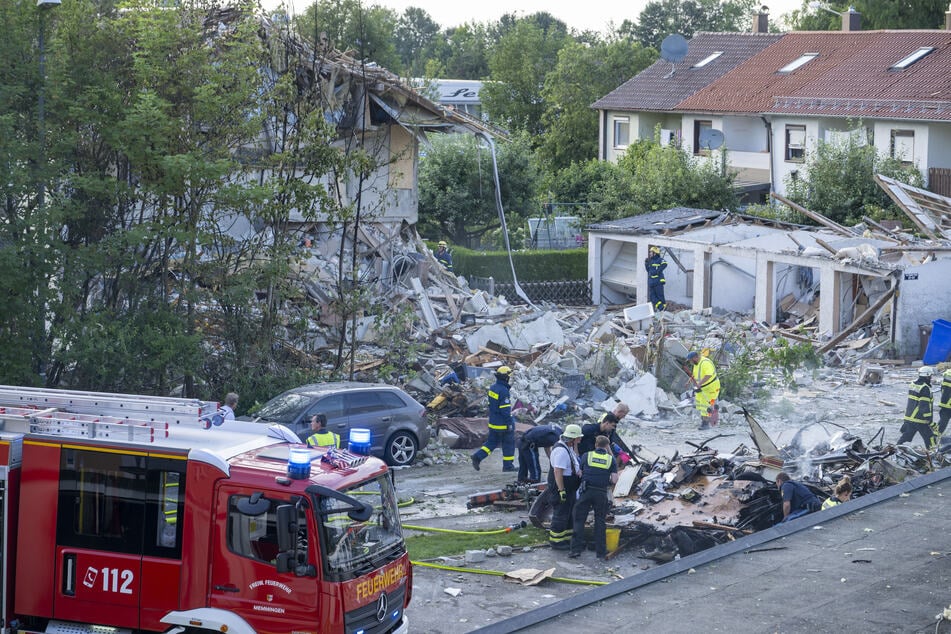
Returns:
(499,573)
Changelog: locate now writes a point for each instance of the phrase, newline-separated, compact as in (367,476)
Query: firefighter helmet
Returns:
(925,370)
(442,243)
(654,249)
(504,371)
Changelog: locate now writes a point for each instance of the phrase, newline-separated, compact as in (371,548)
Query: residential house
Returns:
(774,96)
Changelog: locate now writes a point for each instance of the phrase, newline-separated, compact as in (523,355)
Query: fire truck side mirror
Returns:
(286,528)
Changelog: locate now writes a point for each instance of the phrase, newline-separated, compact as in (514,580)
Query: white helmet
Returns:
(925,370)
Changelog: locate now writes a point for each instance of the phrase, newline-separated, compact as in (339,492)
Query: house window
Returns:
(903,146)
(709,58)
(800,61)
(911,59)
(699,127)
(622,132)
(795,143)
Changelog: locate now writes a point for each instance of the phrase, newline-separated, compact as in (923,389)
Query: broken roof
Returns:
(656,89)
(665,221)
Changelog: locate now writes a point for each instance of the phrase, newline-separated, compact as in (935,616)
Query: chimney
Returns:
(851,20)
(761,20)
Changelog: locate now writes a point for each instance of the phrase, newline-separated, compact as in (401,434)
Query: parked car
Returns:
(398,424)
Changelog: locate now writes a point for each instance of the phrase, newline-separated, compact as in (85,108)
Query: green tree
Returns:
(876,14)
(457,189)
(519,63)
(465,54)
(598,190)
(349,25)
(668,176)
(584,74)
(839,181)
(418,39)
(661,18)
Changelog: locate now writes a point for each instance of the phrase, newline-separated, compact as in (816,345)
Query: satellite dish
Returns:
(673,48)
(710,139)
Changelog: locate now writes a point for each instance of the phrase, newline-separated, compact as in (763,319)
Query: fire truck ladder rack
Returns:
(76,414)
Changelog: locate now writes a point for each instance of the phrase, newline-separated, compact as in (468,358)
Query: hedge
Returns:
(531,266)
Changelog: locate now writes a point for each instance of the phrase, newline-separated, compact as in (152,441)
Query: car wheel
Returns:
(401,449)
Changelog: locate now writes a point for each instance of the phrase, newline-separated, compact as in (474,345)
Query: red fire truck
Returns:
(124,514)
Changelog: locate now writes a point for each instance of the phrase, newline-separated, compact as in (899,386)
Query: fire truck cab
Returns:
(123,513)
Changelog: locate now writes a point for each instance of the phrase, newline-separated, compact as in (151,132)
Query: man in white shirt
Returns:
(227,410)
(564,476)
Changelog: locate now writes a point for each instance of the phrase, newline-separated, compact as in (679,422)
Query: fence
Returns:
(566,292)
(939,180)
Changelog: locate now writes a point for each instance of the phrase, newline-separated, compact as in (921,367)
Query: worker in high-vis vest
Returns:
(656,265)
(919,415)
(944,402)
(564,476)
(598,472)
(706,388)
(501,423)
(322,437)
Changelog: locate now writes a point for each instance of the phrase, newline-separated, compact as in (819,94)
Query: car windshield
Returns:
(354,548)
(285,409)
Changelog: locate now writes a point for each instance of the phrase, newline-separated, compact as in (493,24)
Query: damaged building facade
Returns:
(827,283)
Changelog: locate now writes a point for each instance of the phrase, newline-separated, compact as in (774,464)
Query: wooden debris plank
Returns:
(859,321)
(822,220)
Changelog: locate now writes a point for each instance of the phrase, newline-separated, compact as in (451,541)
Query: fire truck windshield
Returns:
(356,547)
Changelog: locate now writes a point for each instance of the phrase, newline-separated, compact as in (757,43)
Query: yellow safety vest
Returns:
(324,439)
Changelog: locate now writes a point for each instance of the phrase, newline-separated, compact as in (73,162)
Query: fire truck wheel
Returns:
(401,449)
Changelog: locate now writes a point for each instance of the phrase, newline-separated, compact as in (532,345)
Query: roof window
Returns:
(911,59)
(800,61)
(709,58)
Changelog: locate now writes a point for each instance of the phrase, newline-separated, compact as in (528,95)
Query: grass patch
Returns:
(433,545)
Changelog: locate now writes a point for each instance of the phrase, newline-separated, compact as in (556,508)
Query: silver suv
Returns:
(397,423)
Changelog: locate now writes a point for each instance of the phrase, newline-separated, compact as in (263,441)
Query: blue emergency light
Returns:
(360,441)
(298,463)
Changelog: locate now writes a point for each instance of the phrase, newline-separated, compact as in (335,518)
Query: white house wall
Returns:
(924,295)
(882,131)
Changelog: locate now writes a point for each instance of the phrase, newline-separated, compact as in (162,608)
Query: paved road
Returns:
(881,563)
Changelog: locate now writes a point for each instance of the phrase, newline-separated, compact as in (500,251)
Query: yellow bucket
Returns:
(611,536)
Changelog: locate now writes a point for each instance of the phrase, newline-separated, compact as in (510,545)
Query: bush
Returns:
(532,266)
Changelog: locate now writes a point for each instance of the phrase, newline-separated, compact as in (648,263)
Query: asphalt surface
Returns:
(881,563)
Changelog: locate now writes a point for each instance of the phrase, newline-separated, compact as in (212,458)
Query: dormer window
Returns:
(709,58)
(911,59)
(799,62)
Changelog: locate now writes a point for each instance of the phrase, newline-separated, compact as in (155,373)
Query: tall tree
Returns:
(584,74)
(466,52)
(518,65)
(876,14)
(457,188)
(661,18)
(418,39)
(349,25)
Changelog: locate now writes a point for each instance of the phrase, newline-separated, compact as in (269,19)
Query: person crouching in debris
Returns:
(655,265)
(842,493)
(707,391)
(944,405)
(919,417)
(598,470)
(798,500)
(443,256)
(544,436)
(564,476)
(501,423)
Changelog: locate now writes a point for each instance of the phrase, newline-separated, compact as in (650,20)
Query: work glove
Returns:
(563,495)
(616,448)
(623,458)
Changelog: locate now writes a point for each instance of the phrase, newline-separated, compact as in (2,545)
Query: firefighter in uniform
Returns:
(443,256)
(598,470)
(944,405)
(564,476)
(707,391)
(322,437)
(919,417)
(655,265)
(501,424)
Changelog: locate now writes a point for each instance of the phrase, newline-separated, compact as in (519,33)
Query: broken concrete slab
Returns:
(640,395)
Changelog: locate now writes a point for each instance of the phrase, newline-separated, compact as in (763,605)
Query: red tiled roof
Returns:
(851,77)
(655,88)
